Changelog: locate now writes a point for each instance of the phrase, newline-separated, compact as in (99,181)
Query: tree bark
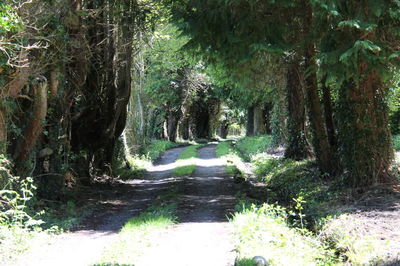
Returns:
(364,136)
(250,122)
(323,151)
(35,126)
(296,148)
(259,121)
(328,112)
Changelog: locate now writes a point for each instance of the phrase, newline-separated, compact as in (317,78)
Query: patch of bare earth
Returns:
(376,217)
(203,234)
(114,205)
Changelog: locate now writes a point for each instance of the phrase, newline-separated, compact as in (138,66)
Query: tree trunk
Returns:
(35,126)
(259,121)
(223,132)
(364,136)
(250,122)
(267,114)
(296,148)
(323,152)
(3,128)
(328,112)
(172,125)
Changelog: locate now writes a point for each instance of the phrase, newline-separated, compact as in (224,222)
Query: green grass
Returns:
(234,164)
(396,142)
(264,231)
(138,233)
(321,209)
(156,147)
(186,161)
(250,146)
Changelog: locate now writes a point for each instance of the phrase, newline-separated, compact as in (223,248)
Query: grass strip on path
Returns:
(186,161)
(138,233)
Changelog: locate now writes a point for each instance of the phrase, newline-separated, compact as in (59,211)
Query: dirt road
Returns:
(202,236)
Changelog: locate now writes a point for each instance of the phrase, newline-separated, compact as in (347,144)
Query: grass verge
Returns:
(186,163)
(250,146)
(134,166)
(316,208)
(234,164)
(264,231)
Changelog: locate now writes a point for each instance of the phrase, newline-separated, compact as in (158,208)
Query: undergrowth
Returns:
(264,231)
(156,147)
(135,165)
(249,146)
(26,221)
(315,205)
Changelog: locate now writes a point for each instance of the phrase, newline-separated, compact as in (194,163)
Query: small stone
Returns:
(45,152)
(260,261)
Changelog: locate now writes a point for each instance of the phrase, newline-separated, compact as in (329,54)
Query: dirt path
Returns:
(203,235)
(114,207)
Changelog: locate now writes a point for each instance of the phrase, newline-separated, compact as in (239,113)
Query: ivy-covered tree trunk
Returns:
(322,148)
(172,124)
(259,121)
(364,136)
(328,112)
(36,122)
(250,121)
(267,115)
(296,147)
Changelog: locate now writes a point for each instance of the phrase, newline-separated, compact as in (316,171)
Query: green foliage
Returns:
(288,178)
(16,197)
(264,231)
(9,19)
(396,143)
(250,146)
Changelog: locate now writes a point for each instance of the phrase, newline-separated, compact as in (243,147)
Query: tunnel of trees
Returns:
(82,78)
